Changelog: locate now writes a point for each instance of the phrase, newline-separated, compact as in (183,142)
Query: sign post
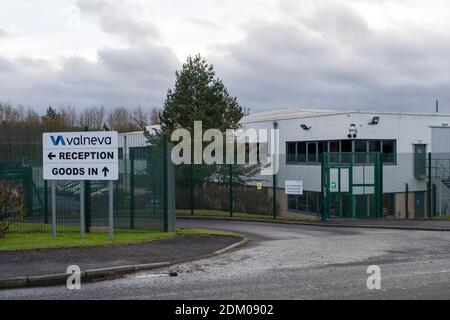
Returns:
(54,209)
(81,156)
(82,199)
(111,217)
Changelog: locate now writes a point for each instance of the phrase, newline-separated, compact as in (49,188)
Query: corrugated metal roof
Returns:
(297,113)
(286,113)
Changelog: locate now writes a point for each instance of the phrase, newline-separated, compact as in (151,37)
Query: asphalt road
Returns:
(289,262)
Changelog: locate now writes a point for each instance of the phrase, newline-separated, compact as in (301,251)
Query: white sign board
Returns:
(81,155)
(294,187)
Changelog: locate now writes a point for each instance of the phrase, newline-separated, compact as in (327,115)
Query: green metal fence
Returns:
(342,185)
(141,195)
(222,190)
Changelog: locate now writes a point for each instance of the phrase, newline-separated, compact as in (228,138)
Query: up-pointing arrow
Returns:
(105,171)
(51,155)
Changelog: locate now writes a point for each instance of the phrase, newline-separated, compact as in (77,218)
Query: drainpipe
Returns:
(406,201)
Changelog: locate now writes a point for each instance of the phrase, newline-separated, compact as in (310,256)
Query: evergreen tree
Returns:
(199,96)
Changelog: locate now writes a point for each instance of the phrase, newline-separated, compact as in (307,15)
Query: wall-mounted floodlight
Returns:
(375,121)
(305,127)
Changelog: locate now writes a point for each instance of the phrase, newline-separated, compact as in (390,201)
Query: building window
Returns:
(335,146)
(374,146)
(342,151)
(323,147)
(312,152)
(291,151)
(361,151)
(388,151)
(301,152)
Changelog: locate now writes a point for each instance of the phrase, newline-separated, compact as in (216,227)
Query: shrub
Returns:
(12,205)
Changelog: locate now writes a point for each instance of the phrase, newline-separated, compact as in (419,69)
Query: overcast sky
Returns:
(346,54)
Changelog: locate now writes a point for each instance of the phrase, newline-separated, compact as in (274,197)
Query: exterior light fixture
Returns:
(305,127)
(375,121)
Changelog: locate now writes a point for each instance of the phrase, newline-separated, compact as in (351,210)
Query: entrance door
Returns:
(419,204)
(420,161)
(350,191)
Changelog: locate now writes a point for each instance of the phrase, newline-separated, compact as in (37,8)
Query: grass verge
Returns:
(27,241)
(248,216)
(442,218)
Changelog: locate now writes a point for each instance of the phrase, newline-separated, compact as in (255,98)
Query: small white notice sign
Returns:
(81,155)
(294,187)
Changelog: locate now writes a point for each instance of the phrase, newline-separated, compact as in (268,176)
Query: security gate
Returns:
(352,185)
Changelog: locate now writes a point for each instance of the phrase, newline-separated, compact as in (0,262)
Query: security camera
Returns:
(352,131)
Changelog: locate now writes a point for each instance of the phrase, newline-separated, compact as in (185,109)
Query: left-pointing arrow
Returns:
(51,155)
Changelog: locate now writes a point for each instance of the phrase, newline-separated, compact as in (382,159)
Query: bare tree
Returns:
(121,119)
(154,116)
(9,114)
(69,116)
(140,118)
(93,118)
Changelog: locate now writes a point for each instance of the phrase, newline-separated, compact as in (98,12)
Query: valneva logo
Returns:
(80,141)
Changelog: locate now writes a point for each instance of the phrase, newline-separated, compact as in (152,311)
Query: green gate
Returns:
(352,185)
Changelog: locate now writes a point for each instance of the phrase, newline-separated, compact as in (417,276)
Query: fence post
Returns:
(323,189)
(87,201)
(230,190)
(45,201)
(406,201)
(191,184)
(274,182)
(165,183)
(131,152)
(430,207)
(28,177)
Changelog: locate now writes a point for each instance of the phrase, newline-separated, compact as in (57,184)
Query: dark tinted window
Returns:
(388,151)
(360,146)
(312,151)
(291,151)
(374,146)
(301,151)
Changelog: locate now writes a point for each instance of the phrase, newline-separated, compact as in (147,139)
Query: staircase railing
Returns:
(442,168)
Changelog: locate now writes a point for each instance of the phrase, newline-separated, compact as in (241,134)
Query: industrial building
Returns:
(411,179)
(351,139)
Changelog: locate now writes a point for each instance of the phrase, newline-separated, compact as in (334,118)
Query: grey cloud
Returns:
(2,33)
(337,64)
(116,20)
(138,75)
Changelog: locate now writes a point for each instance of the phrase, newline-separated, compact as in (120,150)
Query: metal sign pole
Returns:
(82,225)
(54,209)
(111,217)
